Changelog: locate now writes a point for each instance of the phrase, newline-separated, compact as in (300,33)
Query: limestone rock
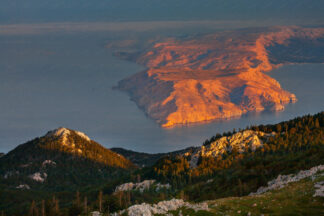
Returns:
(283,180)
(23,187)
(240,142)
(319,189)
(141,186)
(162,207)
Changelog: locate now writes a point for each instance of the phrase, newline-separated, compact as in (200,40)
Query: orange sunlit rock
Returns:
(217,76)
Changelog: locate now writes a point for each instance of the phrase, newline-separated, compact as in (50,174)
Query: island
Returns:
(222,75)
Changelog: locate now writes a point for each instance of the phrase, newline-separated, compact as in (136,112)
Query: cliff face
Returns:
(219,75)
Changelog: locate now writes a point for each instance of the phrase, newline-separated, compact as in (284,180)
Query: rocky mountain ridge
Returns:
(243,141)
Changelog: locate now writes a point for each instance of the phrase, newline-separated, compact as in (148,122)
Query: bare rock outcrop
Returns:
(38,176)
(63,133)
(141,186)
(240,142)
(23,187)
(282,180)
(162,207)
(319,189)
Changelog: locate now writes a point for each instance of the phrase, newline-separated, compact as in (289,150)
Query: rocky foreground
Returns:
(315,174)
(217,76)
(282,180)
(162,207)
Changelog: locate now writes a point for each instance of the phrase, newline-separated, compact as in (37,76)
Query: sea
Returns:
(63,76)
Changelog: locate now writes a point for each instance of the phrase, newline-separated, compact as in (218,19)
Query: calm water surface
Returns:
(47,81)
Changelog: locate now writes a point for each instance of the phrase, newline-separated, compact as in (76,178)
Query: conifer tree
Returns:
(77,198)
(55,204)
(100,201)
(31,209)
(43,208)
(85,204)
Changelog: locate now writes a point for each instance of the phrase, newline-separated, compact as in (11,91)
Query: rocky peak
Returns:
(59,132)
(63,134)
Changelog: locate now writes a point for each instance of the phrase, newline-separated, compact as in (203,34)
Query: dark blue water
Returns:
(48,81)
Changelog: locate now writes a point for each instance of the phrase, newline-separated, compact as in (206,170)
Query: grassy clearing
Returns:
(185,211)
(294,199)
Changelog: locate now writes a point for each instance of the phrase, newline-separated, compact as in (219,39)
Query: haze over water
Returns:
(65,79)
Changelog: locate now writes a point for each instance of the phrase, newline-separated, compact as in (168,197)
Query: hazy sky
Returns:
(22,11)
